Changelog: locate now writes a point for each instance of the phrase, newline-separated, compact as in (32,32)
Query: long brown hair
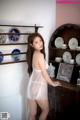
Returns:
(30,50)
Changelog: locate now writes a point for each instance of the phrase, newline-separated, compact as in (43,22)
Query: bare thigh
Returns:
(44,104)
(32,107)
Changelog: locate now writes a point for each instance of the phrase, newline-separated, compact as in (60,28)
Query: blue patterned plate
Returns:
(16,55)
(1,57)
(14,34)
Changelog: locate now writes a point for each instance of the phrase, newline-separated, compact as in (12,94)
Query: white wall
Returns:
(14,77)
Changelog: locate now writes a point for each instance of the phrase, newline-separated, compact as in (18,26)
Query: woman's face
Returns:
(38,43)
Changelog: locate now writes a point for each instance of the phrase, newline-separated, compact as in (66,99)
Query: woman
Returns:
(37,91)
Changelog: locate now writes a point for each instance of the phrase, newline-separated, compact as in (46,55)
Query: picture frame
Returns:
(65,71)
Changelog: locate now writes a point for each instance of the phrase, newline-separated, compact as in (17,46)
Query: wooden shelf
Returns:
(15,33)
(13,44)
(66,31)
(3,63)
(67,85)
(14,53)
(67,49)
(64,100)
(30,26)
(53,61)
(22,25)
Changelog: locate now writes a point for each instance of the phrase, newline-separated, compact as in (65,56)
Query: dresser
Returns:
(64,101)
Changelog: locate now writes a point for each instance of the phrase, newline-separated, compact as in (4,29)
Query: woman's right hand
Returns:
(56,83)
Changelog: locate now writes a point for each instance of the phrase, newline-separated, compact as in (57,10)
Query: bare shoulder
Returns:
(38,59)
(39,55)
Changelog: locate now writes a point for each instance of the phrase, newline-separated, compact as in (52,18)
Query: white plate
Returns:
(78,59)
(73,43)
(59,42)
(67,57)
(2,37)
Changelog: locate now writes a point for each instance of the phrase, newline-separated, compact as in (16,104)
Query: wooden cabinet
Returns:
(66,32)
(64,101)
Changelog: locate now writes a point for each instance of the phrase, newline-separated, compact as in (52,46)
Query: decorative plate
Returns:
(59,42)
(67,57)
(1,57)
(14,34)
(2,37)
(16,54)
(73,43)
(65,72)
(78,59)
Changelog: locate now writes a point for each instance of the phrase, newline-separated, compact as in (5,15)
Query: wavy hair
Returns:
(30,50)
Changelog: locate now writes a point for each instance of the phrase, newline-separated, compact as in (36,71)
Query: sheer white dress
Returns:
(37,86)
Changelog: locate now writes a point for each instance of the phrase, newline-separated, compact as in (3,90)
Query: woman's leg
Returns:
(44,105)
(32,109)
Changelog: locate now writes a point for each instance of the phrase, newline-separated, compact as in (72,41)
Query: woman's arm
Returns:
(44,71)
